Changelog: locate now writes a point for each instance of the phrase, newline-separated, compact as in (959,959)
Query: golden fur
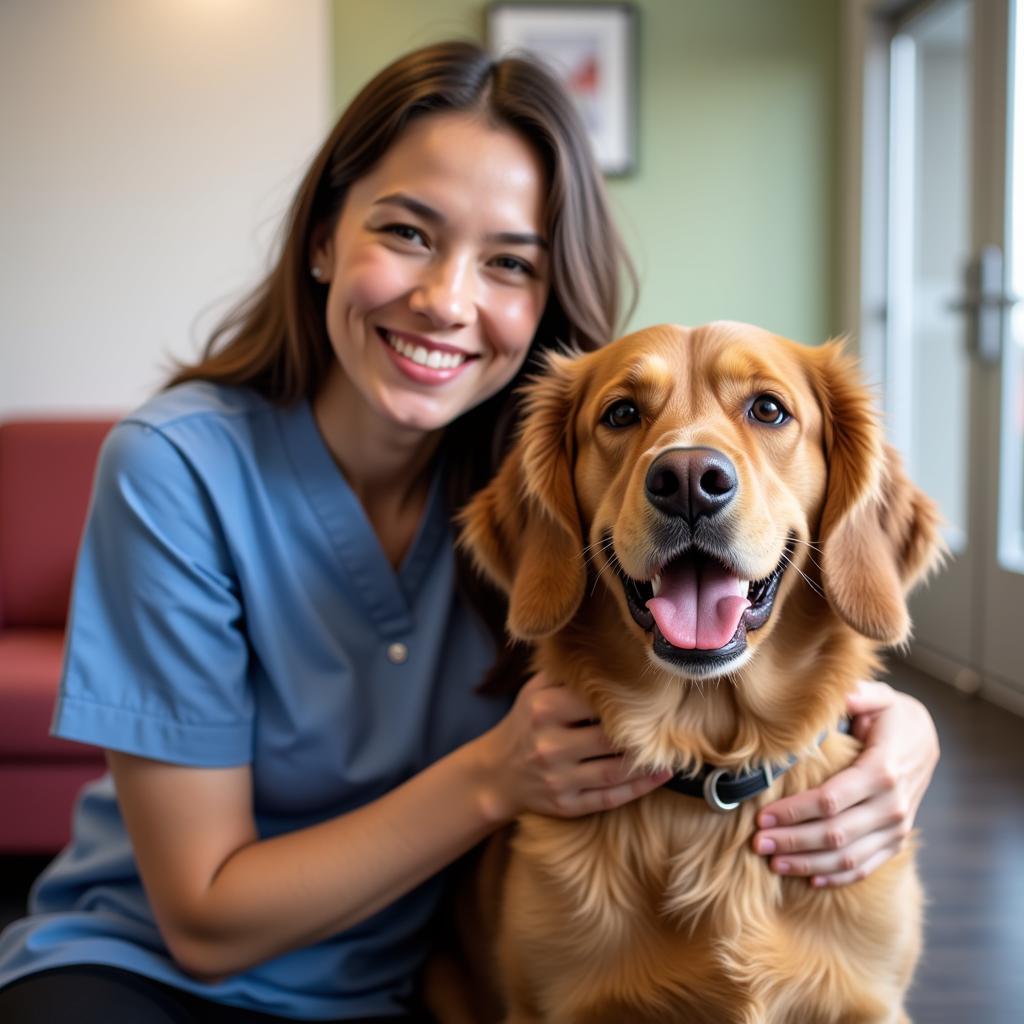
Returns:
(659,911)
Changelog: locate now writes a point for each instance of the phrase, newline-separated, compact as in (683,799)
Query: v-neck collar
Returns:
(386,595)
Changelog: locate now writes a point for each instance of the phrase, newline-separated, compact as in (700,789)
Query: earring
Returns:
(316,272)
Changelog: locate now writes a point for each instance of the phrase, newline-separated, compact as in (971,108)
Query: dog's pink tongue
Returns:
(698,605)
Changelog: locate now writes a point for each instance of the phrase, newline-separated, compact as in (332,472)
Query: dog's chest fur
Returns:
(663,913)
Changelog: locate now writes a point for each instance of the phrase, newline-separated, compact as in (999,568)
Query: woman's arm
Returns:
(844,829)
(225,899)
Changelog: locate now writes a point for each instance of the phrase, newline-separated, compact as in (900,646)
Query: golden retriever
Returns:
(702,531)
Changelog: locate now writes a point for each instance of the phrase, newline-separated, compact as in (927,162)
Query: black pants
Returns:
(96,994)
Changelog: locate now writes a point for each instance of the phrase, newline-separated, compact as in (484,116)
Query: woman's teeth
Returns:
(431,358)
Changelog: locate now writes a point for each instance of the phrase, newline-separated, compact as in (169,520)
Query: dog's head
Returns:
(700,477)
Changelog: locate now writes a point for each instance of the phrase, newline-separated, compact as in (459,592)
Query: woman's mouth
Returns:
(422,361)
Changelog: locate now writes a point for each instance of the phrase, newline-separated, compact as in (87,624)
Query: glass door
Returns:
(953,361)
(1003,386)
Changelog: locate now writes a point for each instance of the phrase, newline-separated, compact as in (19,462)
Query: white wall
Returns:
(148,149)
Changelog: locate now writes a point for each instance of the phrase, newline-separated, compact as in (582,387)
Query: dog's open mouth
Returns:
(698,609)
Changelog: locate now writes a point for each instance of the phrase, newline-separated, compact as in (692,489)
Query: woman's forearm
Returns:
(270,896)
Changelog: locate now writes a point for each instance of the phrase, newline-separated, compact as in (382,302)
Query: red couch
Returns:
(46,472)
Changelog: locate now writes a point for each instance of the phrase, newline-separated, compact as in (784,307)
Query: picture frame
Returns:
(591,49)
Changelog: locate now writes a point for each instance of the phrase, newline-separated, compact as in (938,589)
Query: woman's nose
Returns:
(447,293)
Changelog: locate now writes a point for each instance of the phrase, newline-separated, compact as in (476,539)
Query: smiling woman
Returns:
(437,274)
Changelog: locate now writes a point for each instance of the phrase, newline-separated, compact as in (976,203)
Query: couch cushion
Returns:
(36,801)
(46,472)
(30,666)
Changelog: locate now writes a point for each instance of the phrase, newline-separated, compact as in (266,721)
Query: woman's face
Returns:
(438,271)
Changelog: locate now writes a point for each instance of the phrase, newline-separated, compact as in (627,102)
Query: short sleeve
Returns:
(157,660)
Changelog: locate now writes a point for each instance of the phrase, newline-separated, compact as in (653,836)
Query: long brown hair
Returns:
(275,340)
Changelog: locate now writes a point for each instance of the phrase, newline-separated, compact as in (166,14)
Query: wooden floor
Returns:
(972,862)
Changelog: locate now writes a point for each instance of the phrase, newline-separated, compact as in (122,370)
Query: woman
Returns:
(267,635)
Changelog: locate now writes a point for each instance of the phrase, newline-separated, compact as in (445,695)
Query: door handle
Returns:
(986,301)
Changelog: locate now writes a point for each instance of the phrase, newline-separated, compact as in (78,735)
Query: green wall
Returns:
(731,211)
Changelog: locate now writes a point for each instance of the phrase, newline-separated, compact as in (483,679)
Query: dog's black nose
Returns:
(691,482)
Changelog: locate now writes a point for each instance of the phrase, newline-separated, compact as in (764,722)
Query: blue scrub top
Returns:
(232,605)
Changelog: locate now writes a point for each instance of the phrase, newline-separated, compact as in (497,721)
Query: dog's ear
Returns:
(880,533)
(523,530)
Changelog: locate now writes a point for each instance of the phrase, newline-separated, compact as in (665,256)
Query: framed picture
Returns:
(590,47)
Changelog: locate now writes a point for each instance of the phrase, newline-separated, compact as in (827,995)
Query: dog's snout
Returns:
(691,482)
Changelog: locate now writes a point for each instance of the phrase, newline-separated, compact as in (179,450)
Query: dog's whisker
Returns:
(814,562)
(815,546)
(813,550)
(598,545)
(814,586)
(592,551)
(810,545)
(612,561)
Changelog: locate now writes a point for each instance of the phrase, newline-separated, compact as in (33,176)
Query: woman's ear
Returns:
(879,533)
(321,253)
(523,530)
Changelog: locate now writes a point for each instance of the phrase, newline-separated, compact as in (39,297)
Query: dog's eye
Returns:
(768,409)
(621,414)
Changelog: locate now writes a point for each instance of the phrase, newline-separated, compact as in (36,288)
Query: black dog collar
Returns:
(725,791)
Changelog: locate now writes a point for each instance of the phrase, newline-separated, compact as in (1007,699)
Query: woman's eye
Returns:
(406,232)
(768,409)
(513,263)
(621,414)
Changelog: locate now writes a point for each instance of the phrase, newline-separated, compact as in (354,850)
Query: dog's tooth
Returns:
(744,588)
(656,584)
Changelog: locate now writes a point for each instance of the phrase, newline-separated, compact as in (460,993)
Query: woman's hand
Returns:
(550,755)
(842,830)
